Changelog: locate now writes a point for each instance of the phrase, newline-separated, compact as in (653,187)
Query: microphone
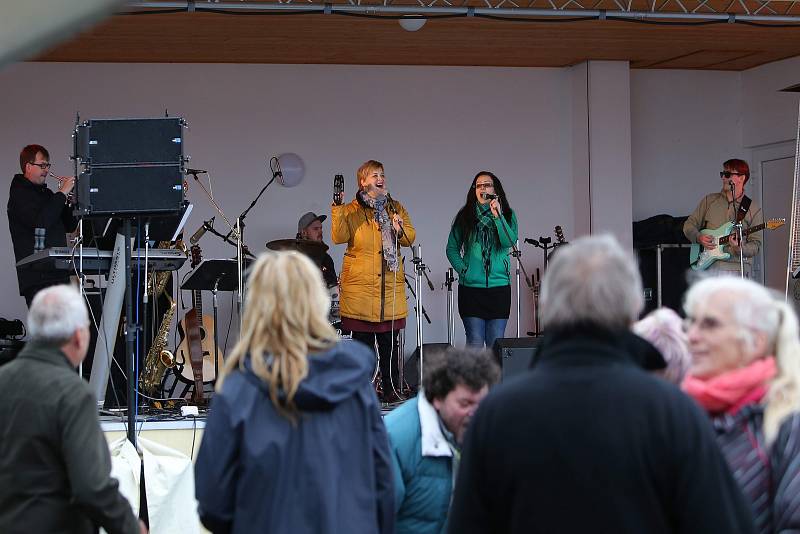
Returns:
(488,196)
(195,171)
(201,232)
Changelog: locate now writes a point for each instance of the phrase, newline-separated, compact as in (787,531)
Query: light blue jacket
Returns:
(422,463)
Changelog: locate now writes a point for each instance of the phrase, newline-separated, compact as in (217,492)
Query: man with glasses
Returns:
(716,209)
(38,218)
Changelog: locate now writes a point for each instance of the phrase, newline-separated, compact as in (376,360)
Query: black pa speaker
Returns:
(514,355)
(411,365)
(122,142)
(110,191)
(674,265)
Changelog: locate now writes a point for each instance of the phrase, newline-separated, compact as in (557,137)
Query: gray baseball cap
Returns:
(309,218)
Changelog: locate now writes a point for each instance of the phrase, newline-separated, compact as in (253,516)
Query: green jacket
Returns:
(467,260)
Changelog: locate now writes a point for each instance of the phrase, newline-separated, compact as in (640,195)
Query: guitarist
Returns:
(719,208)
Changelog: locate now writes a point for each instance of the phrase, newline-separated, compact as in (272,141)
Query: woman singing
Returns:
(483,231)
(373,296)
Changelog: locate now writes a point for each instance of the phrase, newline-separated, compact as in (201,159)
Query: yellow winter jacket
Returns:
(369,290)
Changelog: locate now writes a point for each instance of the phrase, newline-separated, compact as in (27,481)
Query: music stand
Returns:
(214,275)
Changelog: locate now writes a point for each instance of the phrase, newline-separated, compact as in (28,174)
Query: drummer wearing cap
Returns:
(310,227)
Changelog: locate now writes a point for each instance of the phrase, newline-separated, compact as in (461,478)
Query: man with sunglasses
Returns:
(38,218)
(719,208)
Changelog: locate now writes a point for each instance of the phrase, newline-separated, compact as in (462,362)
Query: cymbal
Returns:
(313,249)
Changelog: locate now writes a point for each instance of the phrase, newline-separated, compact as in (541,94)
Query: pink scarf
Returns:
(732,390)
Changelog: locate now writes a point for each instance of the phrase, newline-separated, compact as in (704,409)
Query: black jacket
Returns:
(54,461)
(33,206)
(330,473)
(587,441)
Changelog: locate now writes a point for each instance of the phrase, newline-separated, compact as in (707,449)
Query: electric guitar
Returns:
(197,345)
(701,259)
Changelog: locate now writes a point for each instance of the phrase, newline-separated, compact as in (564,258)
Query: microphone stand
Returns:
(738,226)
(449,278)
(515,252)
(419,271)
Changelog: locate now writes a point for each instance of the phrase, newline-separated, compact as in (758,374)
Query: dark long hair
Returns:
(466,220)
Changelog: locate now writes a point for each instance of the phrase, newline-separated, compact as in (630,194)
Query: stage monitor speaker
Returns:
(411,366)
(142,190)
(121,142)
(674,266)
(515,355)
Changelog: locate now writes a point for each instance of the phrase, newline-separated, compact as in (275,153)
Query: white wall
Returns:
(684,124)
(433,128)
(769,115)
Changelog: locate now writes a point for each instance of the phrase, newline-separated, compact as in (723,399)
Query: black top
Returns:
(32,206)
(329,271)
(587,441)
(55,468)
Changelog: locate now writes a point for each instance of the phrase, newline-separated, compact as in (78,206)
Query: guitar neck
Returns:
(197,302)
(752,229)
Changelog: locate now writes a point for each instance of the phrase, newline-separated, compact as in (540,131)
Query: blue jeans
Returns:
(483,331)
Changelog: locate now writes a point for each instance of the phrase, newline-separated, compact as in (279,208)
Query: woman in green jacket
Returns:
(478,248)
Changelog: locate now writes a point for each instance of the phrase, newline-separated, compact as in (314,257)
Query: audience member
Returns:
(664,329)
(588,441)
(746,374)
(294,441)
(55,468)
(426,433)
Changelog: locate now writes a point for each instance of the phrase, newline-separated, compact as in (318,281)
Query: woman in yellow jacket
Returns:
(373,295)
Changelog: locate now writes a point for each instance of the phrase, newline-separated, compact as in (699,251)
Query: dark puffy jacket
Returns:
(328,473)
(769,478)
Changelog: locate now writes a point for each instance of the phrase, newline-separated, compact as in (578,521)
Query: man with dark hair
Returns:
(55,467)
(426,435)
(38,218)
(310,227)
(716,209)
(588,440)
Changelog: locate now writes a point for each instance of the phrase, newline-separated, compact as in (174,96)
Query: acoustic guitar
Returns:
(195,350)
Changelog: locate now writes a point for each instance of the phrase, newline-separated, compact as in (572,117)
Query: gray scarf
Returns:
(385,225)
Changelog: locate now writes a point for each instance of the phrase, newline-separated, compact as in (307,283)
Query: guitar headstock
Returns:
(560,236)
(338,189)
(197,255)
(775,223)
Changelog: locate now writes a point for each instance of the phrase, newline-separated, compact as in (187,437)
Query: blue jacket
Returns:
(422,462)
(330,472)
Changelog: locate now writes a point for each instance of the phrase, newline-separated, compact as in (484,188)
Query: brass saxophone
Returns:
(159,358)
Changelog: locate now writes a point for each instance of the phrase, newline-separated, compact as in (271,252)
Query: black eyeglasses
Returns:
(728,174)
(42,166)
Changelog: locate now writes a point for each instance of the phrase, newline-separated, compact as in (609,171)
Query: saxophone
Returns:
(159,358)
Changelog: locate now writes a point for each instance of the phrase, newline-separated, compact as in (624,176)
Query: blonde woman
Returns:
(373,292)
(294,441)
(745,373)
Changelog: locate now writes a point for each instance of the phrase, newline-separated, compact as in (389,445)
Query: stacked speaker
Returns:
(129,167)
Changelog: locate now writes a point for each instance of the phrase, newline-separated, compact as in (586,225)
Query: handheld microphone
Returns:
(488,196)
(201,232)
(195,171)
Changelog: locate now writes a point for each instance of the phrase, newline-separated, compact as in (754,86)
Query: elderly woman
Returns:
(373,291)
(294,441)
(745,372)
(664,329)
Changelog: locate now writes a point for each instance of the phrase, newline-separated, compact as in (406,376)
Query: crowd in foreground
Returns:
(657,426)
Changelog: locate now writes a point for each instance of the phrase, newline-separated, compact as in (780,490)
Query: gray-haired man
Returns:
(54,461)
(588,441)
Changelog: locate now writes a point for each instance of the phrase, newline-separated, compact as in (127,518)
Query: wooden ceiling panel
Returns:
(338,39)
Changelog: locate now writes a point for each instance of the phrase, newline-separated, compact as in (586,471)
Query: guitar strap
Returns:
(744,206)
